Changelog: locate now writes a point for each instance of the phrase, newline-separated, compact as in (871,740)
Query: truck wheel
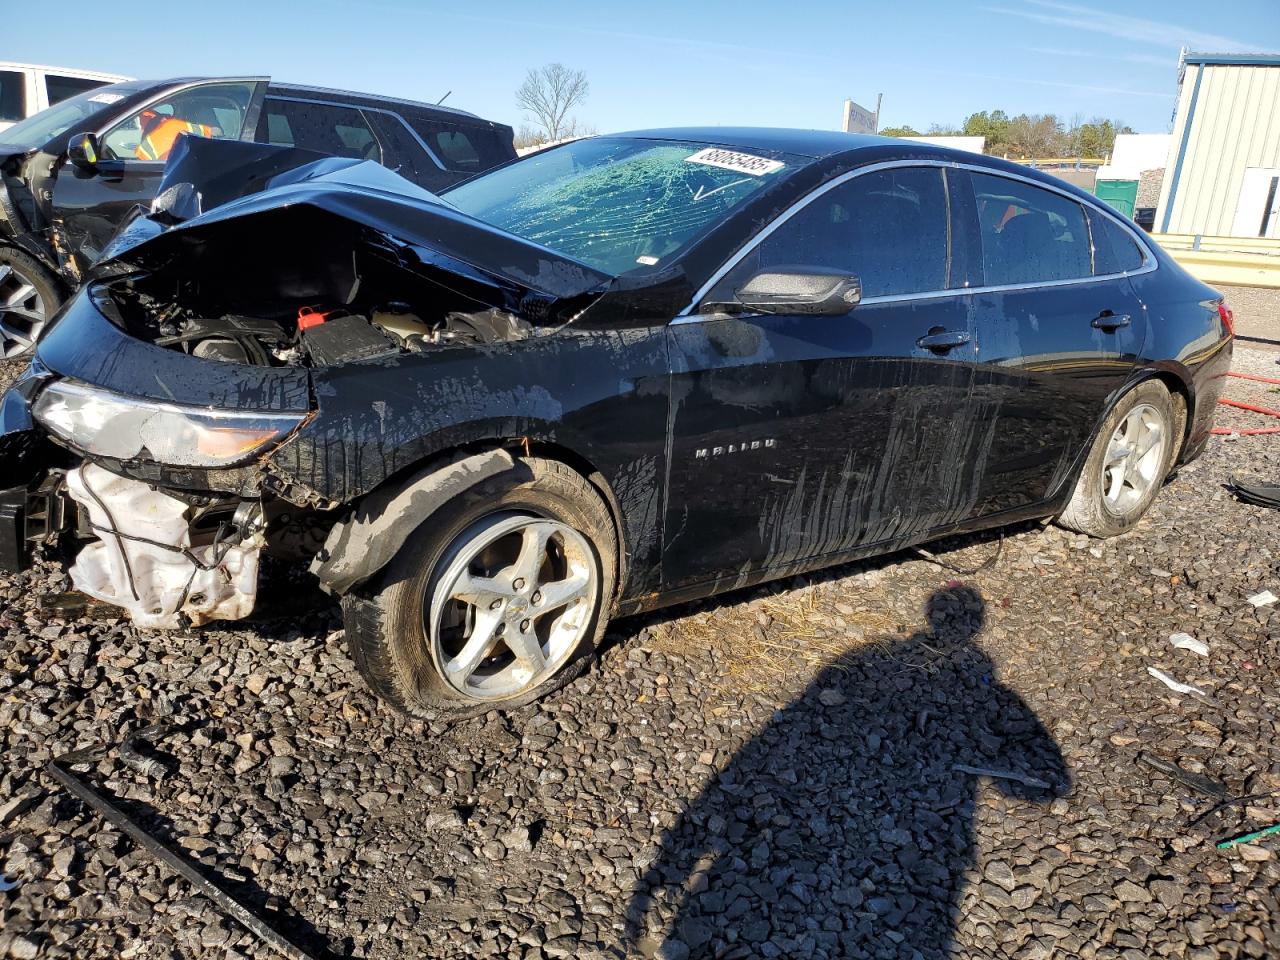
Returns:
(496,600)
(29,296)
(1127,464)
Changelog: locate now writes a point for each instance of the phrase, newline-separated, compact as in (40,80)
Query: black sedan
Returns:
(621,373)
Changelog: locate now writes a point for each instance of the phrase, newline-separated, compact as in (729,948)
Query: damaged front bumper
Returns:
(170,545)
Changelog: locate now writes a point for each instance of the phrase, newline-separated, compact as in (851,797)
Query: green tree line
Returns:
(1030,135)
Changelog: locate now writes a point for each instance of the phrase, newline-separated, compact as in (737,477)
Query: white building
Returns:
(1222,177)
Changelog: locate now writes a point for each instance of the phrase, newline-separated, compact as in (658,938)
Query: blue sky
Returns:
(660,63)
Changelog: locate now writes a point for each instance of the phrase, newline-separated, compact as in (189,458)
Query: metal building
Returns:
(1223,173)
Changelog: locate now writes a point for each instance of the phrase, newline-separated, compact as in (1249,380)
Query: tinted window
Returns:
(464,149)
(402,152)
(212,110)
(1114,250)
(13,95)
(1029,235)
(324,127)
(60,88)
(888,228)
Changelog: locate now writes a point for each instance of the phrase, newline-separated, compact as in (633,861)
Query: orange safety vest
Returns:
(160,137)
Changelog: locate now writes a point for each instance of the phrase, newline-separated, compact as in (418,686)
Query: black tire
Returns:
(1089,511)
(386,621)
(18,332)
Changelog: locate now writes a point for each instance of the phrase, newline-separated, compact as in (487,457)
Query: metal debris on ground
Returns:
(143,760)
(1263,599)
(1198,782)
(1002,775)
(60,770)
(1185,641)
(1176,685)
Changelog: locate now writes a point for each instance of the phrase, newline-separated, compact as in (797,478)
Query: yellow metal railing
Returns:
(1241,261)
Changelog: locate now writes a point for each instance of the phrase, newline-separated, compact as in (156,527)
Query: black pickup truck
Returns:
(71,174)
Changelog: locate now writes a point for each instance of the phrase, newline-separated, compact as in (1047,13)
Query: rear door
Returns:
(796,437)
(1058,328)
(89,206)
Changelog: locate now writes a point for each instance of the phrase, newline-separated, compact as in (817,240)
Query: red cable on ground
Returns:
(1265,411)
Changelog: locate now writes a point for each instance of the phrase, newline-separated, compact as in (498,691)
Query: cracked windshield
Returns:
(618,204)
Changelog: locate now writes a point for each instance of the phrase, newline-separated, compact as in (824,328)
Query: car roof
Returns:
(330,93)
(333,92)
(814,144)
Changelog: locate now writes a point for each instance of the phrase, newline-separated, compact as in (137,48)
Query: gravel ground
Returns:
(768,775)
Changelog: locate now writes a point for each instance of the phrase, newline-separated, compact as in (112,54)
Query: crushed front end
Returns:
(142,440)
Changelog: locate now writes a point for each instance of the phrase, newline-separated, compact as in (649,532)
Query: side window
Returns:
(323,127)
(59,88)
(212,110)
(887,228)
(1029,235)
(13,96)
(462,149)
(1114,251)
(457,150)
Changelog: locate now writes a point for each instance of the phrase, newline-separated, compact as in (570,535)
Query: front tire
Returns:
(1127,465)
(498,599)
(29,297)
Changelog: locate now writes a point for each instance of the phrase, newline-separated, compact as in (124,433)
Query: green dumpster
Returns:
(1121,194)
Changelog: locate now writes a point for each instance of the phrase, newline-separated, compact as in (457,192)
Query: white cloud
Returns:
(1165,61)
(1131,29)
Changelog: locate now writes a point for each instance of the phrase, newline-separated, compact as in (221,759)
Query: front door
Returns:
(1059,330)
(89,206)
(797,437)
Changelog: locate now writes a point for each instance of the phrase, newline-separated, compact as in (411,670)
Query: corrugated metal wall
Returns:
(1235,124)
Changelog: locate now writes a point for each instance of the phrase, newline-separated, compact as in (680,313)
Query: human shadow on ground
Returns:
(843,828)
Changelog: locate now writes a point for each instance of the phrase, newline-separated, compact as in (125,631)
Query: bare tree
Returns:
(548,94)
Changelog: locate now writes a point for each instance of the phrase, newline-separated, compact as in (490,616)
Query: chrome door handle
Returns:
(1109,321)
(943,340)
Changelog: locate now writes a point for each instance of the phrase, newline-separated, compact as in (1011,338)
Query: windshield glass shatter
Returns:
(617,205)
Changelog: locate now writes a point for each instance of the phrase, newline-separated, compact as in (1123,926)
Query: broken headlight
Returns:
(108,424)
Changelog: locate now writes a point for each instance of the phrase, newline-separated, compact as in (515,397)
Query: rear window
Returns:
(13,96)
(59,88)
(1114,250)
(1029,235)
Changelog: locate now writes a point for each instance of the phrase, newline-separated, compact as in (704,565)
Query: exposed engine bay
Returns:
(328,302)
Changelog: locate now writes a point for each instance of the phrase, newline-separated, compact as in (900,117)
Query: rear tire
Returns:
(29,297)
(498,599)
(1127,465)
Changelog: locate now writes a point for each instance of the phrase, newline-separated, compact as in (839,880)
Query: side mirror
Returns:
(82,151)
(807,291)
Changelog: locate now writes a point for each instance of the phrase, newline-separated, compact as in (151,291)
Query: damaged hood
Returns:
(248,185)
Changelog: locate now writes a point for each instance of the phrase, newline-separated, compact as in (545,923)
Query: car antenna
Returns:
(443,99)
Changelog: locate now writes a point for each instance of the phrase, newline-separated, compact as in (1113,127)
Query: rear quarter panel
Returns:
(1186,338)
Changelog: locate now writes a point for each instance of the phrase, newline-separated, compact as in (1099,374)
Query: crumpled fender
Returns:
(365,542)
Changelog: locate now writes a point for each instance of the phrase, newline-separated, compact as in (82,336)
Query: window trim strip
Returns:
(1149,262)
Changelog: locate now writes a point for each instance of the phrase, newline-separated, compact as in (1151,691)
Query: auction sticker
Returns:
(107,98)
(737,162)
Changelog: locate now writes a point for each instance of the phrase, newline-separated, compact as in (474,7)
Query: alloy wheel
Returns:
(516,597)
(1134,458)
(23,313)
